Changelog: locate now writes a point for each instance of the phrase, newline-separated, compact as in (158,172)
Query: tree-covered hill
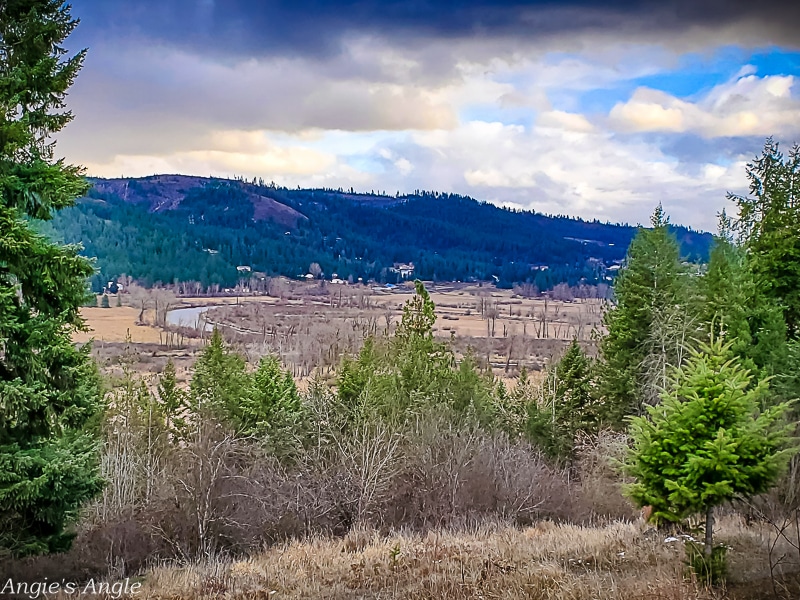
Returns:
(171,227)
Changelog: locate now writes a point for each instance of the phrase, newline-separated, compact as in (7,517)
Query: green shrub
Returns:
(709,570)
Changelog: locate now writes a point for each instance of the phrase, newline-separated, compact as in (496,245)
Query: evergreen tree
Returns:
(769,220)
(511,407)
(566,405)
(412,371)
(421,360)
(273,401)
(731,302)
(422,372)
(419,316)
(648,324)
(219,384)
(173,401)
(707,442)
(272,410)
(471,391)
(49,390)
(353,375)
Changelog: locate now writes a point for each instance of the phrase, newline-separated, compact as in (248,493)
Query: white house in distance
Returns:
(405,270)
(244,269)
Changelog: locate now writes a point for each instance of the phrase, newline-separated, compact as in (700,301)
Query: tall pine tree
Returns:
(769,219)
(732,304)
(49,391)
(648,325)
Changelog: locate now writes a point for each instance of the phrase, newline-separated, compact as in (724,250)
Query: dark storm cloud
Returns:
(251,27)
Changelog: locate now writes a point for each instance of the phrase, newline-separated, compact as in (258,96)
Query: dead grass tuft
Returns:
(490,560)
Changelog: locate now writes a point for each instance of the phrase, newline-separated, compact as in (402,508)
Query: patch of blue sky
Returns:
(598,101)
(694,75)
(698,73)
(776,61)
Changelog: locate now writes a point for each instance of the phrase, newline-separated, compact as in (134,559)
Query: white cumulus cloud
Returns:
(745,106)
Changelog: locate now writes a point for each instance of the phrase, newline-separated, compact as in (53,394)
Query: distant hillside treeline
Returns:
(177,228)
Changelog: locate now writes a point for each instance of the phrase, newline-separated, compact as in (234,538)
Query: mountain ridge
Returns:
(164,228)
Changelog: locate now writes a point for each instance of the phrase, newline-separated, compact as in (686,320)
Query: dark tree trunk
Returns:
(709,547)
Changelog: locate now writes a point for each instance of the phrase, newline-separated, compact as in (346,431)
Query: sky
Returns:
(593,109)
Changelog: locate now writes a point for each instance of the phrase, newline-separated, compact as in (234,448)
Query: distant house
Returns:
(244,269)
(405,270)
(308,276)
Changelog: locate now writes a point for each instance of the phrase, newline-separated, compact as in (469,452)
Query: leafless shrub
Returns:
(599,486)
(370,460)
(452,474)
(526,290)
(195,513)
(114,550)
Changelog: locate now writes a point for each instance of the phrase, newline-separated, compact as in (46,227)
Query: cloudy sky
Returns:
(599,110)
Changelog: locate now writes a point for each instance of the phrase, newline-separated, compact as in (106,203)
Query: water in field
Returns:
(193,316)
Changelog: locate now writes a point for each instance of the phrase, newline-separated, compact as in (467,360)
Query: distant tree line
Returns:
(447,237)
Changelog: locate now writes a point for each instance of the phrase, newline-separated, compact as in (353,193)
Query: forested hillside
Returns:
(167,228)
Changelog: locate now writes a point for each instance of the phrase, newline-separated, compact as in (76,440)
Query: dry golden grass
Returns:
(457,311)
(548,561)
(114,325)
(311,328)
(220,300)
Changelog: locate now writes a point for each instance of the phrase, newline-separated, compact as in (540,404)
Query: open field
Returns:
(312,325)
(464,310)
(548,561)
(114,325)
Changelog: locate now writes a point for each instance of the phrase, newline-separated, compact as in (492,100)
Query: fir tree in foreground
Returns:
(707,442)
(49,392)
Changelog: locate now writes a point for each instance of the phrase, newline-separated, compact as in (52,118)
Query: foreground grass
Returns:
(548,561)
